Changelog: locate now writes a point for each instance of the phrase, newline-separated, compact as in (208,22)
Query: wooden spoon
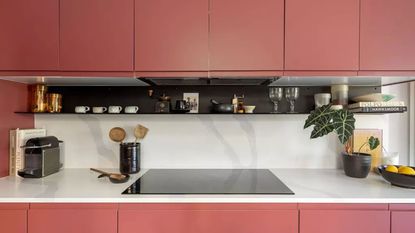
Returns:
(117,134)
(114,177)
(140,132)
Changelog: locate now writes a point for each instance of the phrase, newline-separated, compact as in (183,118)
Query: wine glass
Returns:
(292,94)
(275,95)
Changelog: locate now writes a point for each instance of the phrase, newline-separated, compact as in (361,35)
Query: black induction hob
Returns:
(208,181)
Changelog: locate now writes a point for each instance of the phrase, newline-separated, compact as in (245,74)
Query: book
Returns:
(379,109)
(377,104)
(18,138)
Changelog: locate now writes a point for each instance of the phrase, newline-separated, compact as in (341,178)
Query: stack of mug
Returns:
(110,109)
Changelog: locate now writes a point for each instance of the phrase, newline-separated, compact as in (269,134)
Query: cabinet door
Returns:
(85,218)
(171,35)
(322,35)
(13,218)
(344,221)
(208,221)
(387,35)
(403,221)
(246,35)
(96,35)
(29,38)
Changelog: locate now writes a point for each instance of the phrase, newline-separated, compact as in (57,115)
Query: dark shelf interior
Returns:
(138,96)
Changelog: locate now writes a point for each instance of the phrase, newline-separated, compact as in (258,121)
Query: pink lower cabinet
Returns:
(402,218)
(333,218)
(72,218)
(208,218)
(13,218)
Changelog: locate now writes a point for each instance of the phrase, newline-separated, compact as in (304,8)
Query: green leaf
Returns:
(373,143)
(321,130)
(319,116)
(343,122)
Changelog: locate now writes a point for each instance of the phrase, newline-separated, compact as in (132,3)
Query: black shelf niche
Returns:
(138,96)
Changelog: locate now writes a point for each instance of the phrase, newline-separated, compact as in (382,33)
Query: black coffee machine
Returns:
(41,158)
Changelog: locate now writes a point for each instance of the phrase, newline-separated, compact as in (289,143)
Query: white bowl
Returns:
(249,108)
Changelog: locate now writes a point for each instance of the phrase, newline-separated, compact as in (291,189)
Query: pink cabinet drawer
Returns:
(402,221)
(72,218)
(207,218)
(344,221)
(13,218)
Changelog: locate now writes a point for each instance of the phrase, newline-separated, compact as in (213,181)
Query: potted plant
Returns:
(326,120)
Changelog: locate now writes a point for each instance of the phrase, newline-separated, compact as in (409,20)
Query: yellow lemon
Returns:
(406,170)
(391,168)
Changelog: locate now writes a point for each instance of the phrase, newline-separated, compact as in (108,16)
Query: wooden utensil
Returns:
(140,132)
(117,134)
(114,177)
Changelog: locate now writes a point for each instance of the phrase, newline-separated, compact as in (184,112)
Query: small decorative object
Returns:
(326,120)
(54,102)
(340,95)
(193,101)
(38,98)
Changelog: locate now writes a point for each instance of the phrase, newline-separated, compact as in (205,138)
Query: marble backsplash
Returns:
(201,141)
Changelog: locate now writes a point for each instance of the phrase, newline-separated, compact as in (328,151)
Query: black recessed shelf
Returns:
(154,113)
(236,114)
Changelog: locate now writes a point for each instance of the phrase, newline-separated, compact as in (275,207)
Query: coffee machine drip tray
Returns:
(208,181)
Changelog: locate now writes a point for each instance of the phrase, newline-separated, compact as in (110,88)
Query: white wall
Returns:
(200,141)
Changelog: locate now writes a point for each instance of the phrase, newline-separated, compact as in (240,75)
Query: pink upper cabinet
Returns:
(387,33)
(171,35)
(96,35)
(322,35)
(246,35)
(29,34)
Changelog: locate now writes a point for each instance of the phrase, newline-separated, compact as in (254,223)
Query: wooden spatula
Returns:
(140,133)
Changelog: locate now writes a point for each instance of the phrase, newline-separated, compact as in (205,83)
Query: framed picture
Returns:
(193,100)
(360,137)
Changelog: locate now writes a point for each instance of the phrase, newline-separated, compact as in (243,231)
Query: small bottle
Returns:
(235,103)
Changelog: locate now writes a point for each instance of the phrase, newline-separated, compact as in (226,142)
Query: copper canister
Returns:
(38,98)
(54,102)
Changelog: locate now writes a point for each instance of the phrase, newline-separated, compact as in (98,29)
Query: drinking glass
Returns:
(292,94)
(275,95)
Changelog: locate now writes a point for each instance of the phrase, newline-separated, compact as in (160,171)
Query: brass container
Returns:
(54,102)
(38,98)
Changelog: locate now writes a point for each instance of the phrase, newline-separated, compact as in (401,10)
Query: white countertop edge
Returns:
(252,200)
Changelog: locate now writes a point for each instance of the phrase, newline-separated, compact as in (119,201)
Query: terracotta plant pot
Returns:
(357,165)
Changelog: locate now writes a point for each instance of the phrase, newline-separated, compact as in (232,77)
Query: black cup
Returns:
(181,105)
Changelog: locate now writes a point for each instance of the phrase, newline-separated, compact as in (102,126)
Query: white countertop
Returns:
(309,185)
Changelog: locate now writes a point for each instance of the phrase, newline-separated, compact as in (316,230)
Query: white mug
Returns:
(131,109)
(321,99)
(114,109)
(99,109)
(82,109)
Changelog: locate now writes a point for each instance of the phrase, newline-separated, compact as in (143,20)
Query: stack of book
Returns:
(378,107)
(18,138)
